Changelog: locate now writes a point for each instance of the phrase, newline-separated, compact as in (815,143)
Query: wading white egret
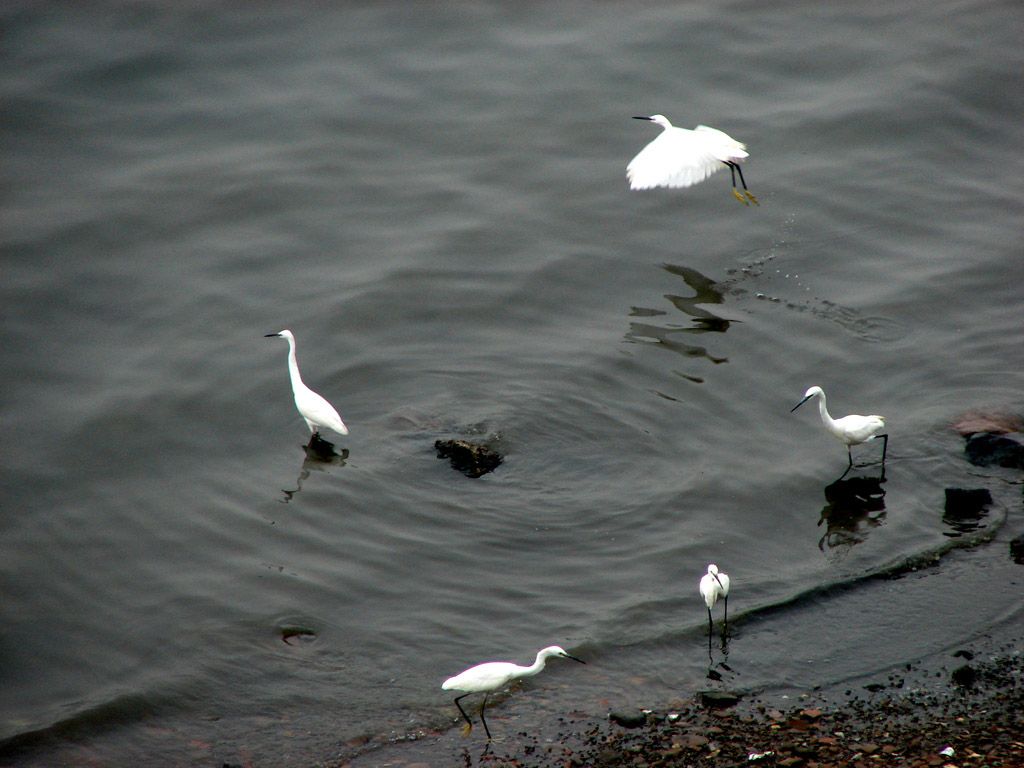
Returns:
(849,430)
(713,585)
(314,409)
(680,157)
(487,677)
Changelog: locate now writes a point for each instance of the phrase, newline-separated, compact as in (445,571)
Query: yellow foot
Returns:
(739,196)
(466,729)
(752,198)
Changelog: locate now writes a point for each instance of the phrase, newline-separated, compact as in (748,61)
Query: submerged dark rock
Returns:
(985,450)
(470,459)
(965,508)
(1017,550)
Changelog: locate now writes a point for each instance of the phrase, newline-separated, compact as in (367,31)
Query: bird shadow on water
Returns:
(670,336)
(854,507)
(714,667)
(319,454)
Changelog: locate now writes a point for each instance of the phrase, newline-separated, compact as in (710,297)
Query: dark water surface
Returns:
(432,197)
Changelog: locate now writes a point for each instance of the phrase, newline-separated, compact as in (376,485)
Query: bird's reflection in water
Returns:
(854,507)
(670,336)
(320,454)
(713,667)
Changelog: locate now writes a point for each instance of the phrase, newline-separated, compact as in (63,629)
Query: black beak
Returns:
(570,656)
(269,335)
(635,117)
(800,403)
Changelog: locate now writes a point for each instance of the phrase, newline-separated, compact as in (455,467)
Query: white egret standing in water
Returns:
(713,585)
(849,430)
(680,157)
(487,677)
(313,408)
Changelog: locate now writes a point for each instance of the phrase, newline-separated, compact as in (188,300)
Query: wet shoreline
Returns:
(970,701)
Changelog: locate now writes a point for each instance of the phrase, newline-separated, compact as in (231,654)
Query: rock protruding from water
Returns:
(992,422)
(470,459)
(965,507)
(1017,550)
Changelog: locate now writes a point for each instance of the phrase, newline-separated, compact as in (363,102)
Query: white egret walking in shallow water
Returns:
(314,409)
(849,430)
(713,585)
(487,677)
(680,157)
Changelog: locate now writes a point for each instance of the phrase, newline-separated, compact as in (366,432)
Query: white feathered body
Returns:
(485,677)
(854,430)
(714,585)
(492,675)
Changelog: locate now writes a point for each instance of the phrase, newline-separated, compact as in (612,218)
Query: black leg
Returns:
(734,167)
(735,192)
(885,446)
(725,619)
(849,466)
(486,729)
(464,715)
(742,181)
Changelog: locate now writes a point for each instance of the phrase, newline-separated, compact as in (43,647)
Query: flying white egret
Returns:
(487,677)
(314,409)
(680,157)
(713,585)
(849,430)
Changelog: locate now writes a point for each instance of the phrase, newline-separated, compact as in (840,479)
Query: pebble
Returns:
(628,719)
(696,741)
(719,699)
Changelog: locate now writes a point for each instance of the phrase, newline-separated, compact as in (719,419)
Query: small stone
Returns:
(628,719)
(964,676)
(696,741)
(719,699)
